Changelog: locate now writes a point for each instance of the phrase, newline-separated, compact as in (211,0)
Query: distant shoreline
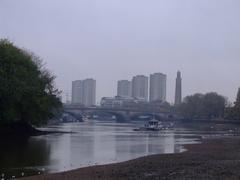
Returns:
(22,131)
(223,121)
(215,158)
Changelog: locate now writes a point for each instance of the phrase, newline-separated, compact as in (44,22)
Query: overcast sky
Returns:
(111,40)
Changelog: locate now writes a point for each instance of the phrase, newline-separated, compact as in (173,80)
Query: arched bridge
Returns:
(121,114)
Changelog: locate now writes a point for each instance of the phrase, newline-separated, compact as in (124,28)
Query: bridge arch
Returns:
(77,116)
(120,117)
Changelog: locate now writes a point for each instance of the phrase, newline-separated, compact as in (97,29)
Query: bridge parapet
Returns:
(146,110)
(122,114)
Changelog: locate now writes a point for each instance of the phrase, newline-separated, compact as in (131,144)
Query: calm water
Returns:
(94,142)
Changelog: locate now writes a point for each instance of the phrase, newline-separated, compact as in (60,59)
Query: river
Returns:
(97,142)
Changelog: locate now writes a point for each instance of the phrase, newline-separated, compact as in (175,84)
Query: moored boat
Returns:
(155,125)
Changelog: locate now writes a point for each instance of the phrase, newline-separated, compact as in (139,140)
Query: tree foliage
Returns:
(233,113)
(207,106)
(237,103)
(27,92)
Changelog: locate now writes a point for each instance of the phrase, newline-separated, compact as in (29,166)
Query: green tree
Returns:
(208,106)
(213,105)
(232,112)
(235,110)
(191,106)
(27,92)
(237,103)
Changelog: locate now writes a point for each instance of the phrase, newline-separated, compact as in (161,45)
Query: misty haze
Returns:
(117,89)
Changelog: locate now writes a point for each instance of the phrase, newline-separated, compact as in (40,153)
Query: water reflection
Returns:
(16,153)
(94,143)
(20,155)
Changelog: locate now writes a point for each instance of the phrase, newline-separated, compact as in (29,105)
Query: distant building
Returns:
(178,90)
(114,102)
(77,92)
(124,88)
(84,92)
(120,102)
(140,87)
(89,92)
(158,87)
(134,103)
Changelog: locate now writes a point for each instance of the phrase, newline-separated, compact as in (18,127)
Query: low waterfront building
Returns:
(116,102)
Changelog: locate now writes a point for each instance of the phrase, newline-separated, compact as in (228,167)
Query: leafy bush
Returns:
(27,92)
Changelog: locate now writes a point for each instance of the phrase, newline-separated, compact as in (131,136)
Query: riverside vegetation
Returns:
(27,93)
(209,106)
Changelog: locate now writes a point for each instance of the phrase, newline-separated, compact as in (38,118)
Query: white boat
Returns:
(155,125)
(86,118)
(151,125)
